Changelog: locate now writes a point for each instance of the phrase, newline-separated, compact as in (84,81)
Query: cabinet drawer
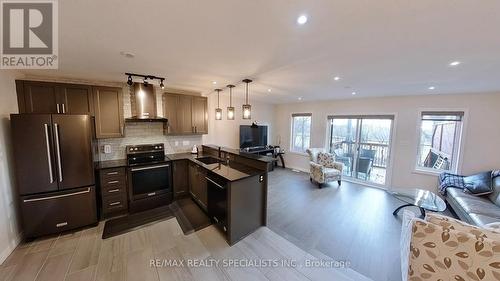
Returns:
(114,203)
(58,211)
(113,182)
(110,174)
(114,190)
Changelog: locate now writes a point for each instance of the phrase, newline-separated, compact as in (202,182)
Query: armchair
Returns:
(323,168)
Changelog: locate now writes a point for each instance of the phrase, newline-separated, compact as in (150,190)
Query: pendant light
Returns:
(247,108)
(218,110)
(230,108)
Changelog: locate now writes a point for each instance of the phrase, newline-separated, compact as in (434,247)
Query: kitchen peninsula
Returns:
(230,187)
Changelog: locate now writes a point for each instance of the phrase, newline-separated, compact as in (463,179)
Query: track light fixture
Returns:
(145,79)
(218,110)
(247,108)
(230,108)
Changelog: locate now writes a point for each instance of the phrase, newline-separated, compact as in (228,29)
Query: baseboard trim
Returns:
(10,248)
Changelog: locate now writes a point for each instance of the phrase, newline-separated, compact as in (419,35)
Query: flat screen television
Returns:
(253,136)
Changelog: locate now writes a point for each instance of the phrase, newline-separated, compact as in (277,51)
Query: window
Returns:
(301,132)
(440,134)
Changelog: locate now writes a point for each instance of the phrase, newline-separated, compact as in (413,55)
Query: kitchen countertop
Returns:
(242,153)
(232,172)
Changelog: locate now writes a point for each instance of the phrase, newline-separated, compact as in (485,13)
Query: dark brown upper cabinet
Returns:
(200,115)
(187,115)
(108,107)
(76,99)
(50,97)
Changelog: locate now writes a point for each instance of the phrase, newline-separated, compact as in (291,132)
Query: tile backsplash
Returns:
(145,133)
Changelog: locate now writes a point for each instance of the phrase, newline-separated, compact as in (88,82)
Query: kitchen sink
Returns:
(208,160)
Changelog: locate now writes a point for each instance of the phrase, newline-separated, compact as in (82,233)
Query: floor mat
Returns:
(121,225)
(189,215)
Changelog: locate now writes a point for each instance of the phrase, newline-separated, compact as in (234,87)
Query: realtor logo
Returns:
(29,35)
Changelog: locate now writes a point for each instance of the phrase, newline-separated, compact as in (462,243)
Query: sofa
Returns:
(476,209)
(442,248)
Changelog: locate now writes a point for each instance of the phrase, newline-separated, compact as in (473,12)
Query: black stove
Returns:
(145,154)
(149,176)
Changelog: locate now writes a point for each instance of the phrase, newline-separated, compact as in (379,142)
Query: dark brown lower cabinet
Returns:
(58,211)
(198,184)
(113,190)
(181,178)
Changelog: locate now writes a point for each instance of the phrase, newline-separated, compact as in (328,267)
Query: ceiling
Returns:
(378,48)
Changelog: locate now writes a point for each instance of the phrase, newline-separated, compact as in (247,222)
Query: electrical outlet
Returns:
(107,149)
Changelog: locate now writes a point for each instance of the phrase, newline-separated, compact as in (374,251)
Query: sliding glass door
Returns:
(362,144)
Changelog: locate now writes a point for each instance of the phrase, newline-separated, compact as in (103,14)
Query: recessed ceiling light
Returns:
(302,19)
(214,82)
(300,98)
(127,54)
(269,90)
(336,78)
(454,63)
(353,93)
(432,88)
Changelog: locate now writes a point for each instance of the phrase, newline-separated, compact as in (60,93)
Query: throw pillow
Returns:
(479,184)
(326,159)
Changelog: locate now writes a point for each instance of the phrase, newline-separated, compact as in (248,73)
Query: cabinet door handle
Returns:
(57,107)
(113,190)
(113,182)
(115,203)
(62,224)
(112,173)
(63,108)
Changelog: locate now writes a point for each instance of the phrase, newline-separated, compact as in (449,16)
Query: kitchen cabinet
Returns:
(200,115)
(108,112)
(113,190)
(51,97)
(181,178)
(75,99)
(187,115)
(198,184)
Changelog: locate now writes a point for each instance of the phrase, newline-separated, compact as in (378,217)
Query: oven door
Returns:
(150,180)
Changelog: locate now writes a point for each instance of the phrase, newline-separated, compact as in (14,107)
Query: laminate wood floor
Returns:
(350,223)
(83,255)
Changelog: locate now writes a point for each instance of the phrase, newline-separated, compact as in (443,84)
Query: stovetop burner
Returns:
(145,154)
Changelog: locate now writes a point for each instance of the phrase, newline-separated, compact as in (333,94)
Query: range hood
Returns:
(143,104)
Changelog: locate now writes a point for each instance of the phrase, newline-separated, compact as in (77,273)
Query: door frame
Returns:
(390,159)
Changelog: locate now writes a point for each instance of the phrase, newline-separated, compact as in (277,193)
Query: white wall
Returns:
(481,135)
(9,229)
(227,132)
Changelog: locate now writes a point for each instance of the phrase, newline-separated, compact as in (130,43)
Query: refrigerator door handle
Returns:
(49,158)
(58,151)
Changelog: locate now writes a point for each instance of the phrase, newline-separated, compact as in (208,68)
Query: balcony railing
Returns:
(347,149)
